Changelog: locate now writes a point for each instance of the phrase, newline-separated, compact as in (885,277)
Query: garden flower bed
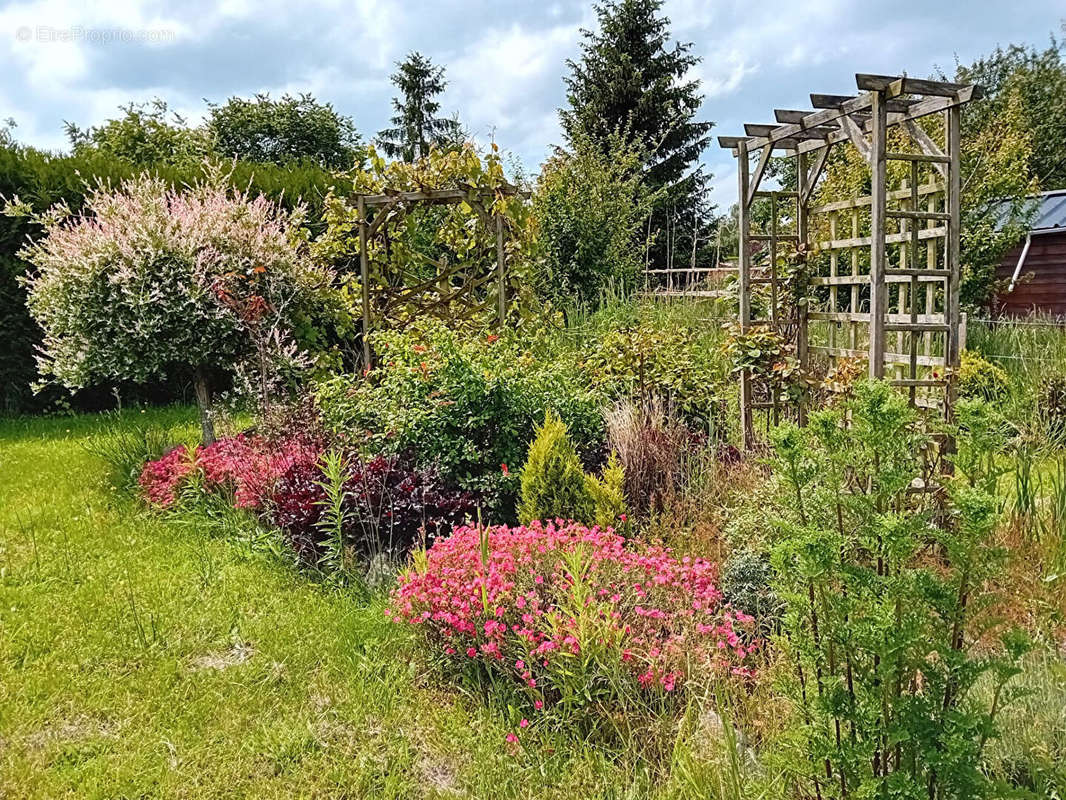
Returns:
(572,614)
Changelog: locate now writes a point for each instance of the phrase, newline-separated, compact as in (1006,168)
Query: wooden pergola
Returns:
(452,283)
(880,272)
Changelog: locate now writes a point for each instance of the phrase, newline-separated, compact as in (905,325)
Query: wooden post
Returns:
(802,190)
(878,287)
(203,401)
(744,268)
(952,193)
(364,276)
(500,272)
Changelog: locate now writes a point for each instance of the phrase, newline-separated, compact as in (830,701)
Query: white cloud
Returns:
(503,80)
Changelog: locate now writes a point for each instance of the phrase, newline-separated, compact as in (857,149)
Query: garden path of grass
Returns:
(139,658)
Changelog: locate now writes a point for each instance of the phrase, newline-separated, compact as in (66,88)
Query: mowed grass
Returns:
(142,658)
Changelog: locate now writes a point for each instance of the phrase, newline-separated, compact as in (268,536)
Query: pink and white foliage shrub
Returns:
(567,610)
(147,278)
(246,466)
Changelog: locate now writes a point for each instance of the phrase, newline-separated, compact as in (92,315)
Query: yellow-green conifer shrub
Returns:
(553,484)
(608,494)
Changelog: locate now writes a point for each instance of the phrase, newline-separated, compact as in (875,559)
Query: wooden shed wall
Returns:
(1042,284)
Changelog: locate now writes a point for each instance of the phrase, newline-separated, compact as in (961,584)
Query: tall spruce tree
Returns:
(415,125)
(629,78)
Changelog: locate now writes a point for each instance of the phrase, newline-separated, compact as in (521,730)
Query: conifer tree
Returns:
(629,78)
(415,125)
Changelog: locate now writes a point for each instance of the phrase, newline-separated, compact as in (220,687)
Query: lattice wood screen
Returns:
(880,276)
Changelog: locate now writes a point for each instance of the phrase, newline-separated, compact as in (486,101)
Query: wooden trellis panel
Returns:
(882,270)
(453,285)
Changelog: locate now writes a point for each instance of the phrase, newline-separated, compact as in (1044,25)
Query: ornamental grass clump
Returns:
(575,619)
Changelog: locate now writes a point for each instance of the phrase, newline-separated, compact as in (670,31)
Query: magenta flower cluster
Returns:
(246,466)
(505,598)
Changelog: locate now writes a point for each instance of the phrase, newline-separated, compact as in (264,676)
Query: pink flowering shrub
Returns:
(574,616)
(245,466)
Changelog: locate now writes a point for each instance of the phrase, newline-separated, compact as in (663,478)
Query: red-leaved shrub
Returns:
(161,479)
(246,466)
(389,505)
(573,613)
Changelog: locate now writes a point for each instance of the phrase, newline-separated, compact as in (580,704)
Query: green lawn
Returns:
(142,658)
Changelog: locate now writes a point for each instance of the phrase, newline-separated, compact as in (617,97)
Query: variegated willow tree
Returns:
(152,282)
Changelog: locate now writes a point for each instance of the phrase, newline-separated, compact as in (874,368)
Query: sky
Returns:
(505,59)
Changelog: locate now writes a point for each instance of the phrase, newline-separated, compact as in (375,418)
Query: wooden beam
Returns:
(500,271)
(784,147)
(859,202)
(790,117)
(813,120)
(832,108)
(926,143)
(802,351)
(819,132)
(953,192)
(812,177)
(856,137)
(841,100)
(364,277)
(435,196)
(744,287)
(878,287)
(756,179)
(922,108)
(878,83)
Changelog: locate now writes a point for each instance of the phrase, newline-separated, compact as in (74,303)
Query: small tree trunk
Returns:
(203,400)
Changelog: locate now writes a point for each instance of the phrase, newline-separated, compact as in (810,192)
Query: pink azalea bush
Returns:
(573,615)
(246,466)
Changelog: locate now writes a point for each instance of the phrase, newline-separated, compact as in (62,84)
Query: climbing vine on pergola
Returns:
(442,236)
(458,285)
(872,277)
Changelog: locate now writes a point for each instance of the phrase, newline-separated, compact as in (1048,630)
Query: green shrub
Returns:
(465,401)
(553,483)
(979,378)
(608,494)
(1051,402)
(651,360)
(554,486)
(590,206)
(879,636)
(747,586)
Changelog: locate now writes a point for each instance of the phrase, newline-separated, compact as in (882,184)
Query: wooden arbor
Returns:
(451,284)
(873,266)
